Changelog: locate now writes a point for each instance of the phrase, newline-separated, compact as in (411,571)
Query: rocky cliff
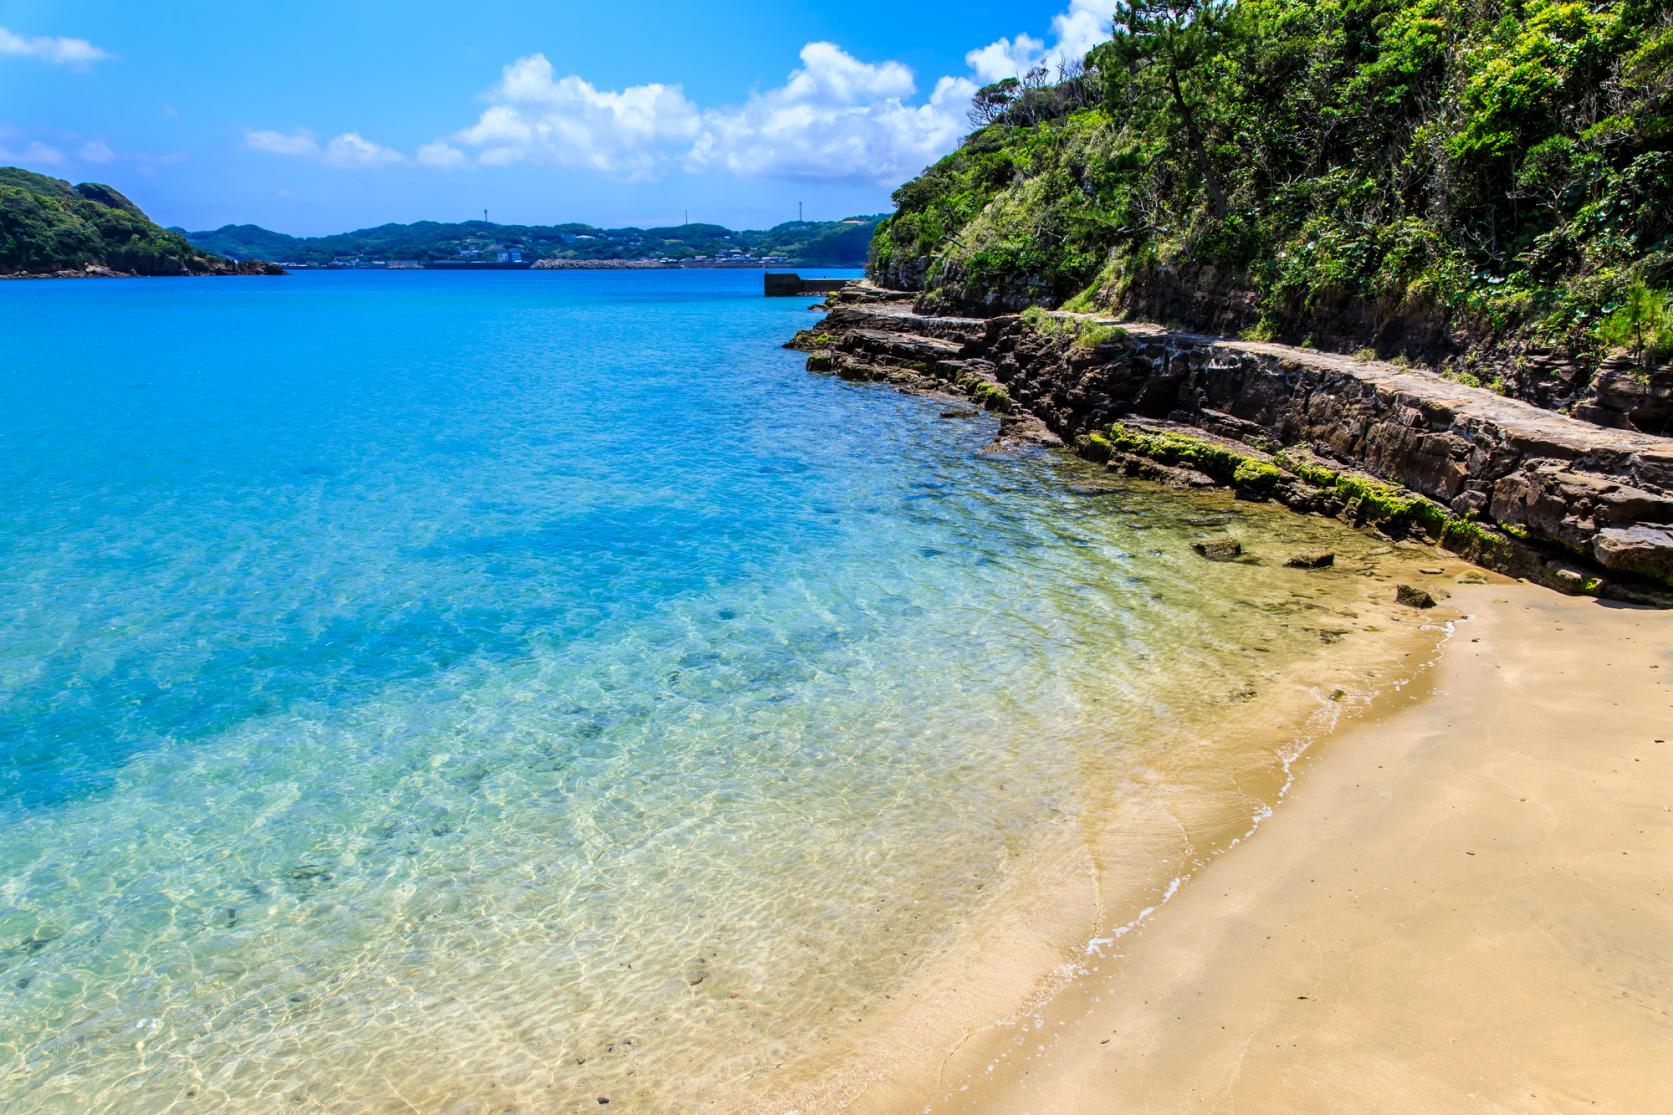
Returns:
(51,228)
(1515,487)
(1478,186)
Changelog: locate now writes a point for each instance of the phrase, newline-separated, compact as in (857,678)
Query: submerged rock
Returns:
(1021,430)
(1413,597)
(1311,559)
(1218,549)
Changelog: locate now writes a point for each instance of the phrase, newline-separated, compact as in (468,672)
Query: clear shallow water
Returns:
(494,690)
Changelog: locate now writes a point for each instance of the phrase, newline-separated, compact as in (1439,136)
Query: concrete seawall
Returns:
(783,284)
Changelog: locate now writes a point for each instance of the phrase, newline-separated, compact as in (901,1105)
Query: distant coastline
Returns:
(481,245)
(659,265)
(566,265)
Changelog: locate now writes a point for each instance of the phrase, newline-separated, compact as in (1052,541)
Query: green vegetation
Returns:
(1169,448)
(1299,461)
(1248,474)
(1431,176)
(808,340)
(1080,332)
(992,396)
(1044,324)
(1255,476)
(804,243)
(1374,500)
(1092,334)
(1642,324)
(1364,499)
(47,225)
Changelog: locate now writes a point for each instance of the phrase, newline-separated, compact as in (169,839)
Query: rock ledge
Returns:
(1536,494)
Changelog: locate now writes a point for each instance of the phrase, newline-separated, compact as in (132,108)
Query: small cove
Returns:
(502,690)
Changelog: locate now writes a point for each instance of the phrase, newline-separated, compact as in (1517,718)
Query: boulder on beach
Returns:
(1413,597)
(1636,549)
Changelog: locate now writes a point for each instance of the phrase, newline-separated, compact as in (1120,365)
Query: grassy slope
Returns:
(1446,178)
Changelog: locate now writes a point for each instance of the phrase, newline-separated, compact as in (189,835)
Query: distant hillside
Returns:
(805,243)
(48,226)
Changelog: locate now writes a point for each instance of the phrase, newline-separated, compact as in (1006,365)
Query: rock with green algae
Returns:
(1413,597)
(1271,442)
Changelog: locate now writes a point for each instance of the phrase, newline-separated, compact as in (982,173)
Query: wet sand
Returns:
(1464,904)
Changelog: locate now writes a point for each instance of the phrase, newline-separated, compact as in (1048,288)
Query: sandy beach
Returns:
(1462,905)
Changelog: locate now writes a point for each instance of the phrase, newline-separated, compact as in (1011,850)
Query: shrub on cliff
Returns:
(47,225)
(1431,176)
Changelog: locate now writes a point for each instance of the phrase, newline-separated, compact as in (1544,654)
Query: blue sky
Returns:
(318,117)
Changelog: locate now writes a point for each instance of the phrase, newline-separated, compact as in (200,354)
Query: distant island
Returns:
(472,244)
(49,227)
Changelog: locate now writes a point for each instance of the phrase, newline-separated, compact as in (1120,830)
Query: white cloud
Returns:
(1083,26)
(503,155)
(570,122)
(299,142)
(440,154)
(43,154)
(349,150)
(835,118)
(1006,58)
(1078,30)
(36,153)
(830,75)
(352,150)
(62,51)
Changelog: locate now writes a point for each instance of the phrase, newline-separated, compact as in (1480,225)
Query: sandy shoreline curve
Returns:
(1465,903)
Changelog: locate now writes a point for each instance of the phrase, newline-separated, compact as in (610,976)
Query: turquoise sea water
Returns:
(475,692)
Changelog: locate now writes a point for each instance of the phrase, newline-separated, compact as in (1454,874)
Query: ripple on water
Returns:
(495,690)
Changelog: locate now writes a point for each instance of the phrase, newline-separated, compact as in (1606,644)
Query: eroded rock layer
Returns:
(1524,490)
